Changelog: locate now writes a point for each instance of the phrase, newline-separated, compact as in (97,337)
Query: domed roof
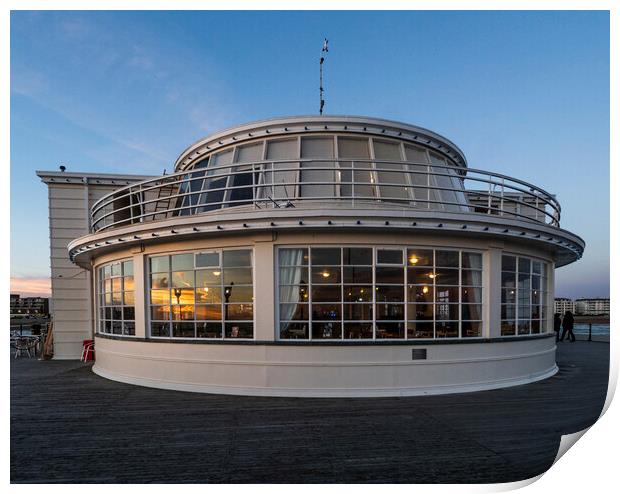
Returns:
(340,124)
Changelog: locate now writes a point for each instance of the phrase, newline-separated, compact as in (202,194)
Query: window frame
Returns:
(100,298)
(220,251)
(405,285)
(544,318)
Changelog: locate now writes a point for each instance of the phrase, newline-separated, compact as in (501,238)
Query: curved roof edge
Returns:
(315,123)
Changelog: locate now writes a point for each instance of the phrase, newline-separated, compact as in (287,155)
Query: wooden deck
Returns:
(69,425)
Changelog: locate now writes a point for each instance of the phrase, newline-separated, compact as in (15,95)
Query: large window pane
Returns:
(418,329)
(208,329)
(237,258)
(471,329)
(326,257)
(325,274)
(445,276)
(389,256)
(238,330)
(182,262)
(420,276)
(390,172)
(386,293)
(320,168)
(393,312)
(421,294)
(207,259)
(471,278)
(357,330)
(357,312)
(326,330)
(357,256)
(182,279)
(209,312)
(220,294)
(391,275)
(509,263)
(447,329)
(330,312)
(239,312)
(237,276)
(294,312)
(294,330)
(390,330)
(209,294)
(326,293)
(471,260)
(357,293)
(447,258)
(357,183)
(356,274)
(419,257)
(207,277)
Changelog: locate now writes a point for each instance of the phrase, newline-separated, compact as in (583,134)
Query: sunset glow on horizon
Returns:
(31,287)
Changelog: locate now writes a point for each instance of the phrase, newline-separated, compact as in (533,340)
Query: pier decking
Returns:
(69,425)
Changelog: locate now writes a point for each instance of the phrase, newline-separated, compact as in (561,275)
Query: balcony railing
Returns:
(321,183)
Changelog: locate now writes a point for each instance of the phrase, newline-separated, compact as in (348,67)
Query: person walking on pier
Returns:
(557,325)
(567,327)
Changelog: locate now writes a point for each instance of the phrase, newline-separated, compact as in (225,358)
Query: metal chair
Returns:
(24,344)
(88,350)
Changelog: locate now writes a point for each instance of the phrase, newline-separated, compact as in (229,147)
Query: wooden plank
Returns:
(69,425)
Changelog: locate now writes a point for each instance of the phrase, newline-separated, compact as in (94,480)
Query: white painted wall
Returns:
(70,196)
(266,367)
(325,370)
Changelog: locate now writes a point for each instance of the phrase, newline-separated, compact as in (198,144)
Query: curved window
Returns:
(524,296)
(205,294)
(115,296)
(360,292)
(274,172)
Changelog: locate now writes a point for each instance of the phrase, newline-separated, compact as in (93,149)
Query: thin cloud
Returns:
(31,287)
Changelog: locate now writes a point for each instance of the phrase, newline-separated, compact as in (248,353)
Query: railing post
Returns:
(489,202)
(254,185)
(353,183)
(590,333)
(501,199)
(428,186)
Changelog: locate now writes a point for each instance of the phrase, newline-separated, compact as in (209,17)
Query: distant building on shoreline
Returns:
(561,305)
(583,306)
(29,306)
(592,306)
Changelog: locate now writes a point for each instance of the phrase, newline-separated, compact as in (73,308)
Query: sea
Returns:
(597,329)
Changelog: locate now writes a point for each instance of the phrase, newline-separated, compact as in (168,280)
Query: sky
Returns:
(525,94)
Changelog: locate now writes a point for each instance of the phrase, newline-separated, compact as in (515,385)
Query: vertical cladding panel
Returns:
(69,205)
(68,216)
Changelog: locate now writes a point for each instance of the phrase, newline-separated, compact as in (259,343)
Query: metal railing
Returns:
(314,183)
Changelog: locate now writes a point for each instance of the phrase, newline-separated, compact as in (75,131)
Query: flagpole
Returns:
(322,101)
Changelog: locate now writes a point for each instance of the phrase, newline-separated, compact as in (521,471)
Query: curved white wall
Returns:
(325,370)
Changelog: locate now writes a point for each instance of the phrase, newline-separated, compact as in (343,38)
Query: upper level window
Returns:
(202,294)
(323,166)
(115,295)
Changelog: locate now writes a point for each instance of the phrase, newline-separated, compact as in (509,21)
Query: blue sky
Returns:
(521,93)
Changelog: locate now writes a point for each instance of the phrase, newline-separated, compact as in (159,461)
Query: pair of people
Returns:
(566,325)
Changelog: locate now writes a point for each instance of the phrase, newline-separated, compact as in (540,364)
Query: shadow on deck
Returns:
(69,425)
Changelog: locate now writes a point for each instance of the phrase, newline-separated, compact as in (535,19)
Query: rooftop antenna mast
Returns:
(323,55)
